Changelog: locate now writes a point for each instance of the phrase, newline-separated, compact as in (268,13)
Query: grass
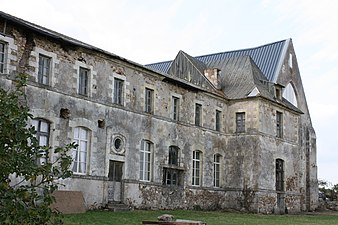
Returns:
(211,218)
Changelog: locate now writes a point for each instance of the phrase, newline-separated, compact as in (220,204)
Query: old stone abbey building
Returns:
(225,130)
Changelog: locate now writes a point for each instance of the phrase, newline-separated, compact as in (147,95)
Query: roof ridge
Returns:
(244,49)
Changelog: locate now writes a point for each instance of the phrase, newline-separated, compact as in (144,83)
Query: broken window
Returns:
(175,102)
(83,81)
(279,124)
(240,122)
(198,114)
(196,168)
(2,57)
(118,91)
(172,175)
(145,160)
(41,127)
(218,120)
(173,155)
(149,98)
(81,138)
(279,175)
(217,170)
(44,69)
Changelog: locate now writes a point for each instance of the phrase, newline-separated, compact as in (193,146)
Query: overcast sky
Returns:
(150,31)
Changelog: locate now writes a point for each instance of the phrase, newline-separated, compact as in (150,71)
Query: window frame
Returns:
(172,177)
(175,108)
(279,124)
(149,100)
(198,114)
(173,156)
(240,122)
(83,81)
(76,153)
(42,72)
(3,52)
(196,168)
(218,116)
(39,134)
(280,168)
(118,97)
(146,160)
(217,170)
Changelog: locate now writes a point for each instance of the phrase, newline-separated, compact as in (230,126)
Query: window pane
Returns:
(76,132)
(43,141)
(44,126)
(83,134)
(35,124)
(82,167)
(83,157)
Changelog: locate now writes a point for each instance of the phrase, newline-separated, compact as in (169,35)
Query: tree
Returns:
(330,191)
(26,186)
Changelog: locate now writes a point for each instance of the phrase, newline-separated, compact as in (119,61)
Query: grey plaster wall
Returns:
(247,159)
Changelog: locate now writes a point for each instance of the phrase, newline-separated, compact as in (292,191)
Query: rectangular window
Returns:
(217,170)
(218,120)
(44,69)
(173,155)
(2,57)
(42,134)
(81,138)
(198,114)
(145,160)
(172,176)
(196,168)
(279,124)
(118,91)
(279,175)
(83,81)
(240,122)
(176,103)
(149,99)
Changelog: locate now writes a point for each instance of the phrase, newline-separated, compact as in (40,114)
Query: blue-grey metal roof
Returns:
(266,57)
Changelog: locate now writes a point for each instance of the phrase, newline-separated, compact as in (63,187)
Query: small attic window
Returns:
(290,60)
(278,93)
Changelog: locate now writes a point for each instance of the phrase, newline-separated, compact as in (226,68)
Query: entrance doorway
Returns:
(114,181)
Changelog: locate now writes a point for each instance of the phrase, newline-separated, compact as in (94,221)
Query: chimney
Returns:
(213,75)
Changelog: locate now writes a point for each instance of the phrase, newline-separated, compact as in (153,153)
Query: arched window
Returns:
(217,170)
(196,167)
(81,137)
(290,94)
(145,160)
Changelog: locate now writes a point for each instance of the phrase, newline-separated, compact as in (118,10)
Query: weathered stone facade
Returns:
(132,115)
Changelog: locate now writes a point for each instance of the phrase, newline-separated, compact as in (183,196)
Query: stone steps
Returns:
(118,207)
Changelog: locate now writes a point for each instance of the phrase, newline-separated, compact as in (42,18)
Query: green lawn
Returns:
(211,218)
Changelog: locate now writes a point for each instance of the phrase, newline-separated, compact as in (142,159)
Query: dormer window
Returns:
(278,91)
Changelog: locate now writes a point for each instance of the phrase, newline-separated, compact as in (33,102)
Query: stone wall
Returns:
(248,160)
